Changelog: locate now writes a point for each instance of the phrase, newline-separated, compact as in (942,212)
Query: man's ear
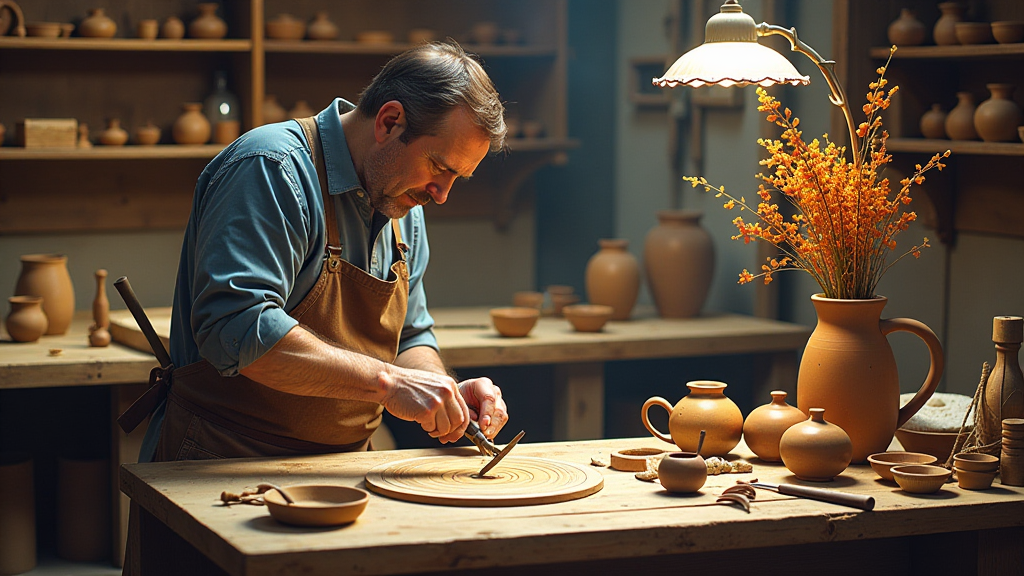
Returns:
(390,121)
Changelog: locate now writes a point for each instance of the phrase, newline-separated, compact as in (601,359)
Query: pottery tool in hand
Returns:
(825,495)
(504,452)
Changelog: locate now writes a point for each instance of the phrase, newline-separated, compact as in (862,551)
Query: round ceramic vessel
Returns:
(938,444)
(587,317)
(974,32)
(816,450)
(514,322)
(317,505)
(883,462)
(976,462)
(765,425)
(1008,32)
(613,277)
(682,472)
(705,408)
(921,479)
(974,480)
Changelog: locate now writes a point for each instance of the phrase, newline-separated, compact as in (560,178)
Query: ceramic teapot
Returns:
(705,408)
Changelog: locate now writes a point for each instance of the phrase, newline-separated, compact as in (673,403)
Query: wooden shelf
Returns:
(159,152)
(971,51)
(386,49)
(927,146)
(125,44)
(541,144)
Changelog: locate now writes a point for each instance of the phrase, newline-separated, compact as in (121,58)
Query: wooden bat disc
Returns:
(453,481)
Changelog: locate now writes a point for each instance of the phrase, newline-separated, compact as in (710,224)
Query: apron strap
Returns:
(316,152)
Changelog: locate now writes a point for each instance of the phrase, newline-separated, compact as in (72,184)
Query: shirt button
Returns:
(359,193)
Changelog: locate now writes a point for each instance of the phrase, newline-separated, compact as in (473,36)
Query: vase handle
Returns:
(656,401)
(937,362)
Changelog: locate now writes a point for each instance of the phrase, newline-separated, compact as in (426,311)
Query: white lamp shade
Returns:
(731,64)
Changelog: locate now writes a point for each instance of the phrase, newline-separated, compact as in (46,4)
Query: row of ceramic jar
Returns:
(994,120)
(98,25)
(287,27)
(192,127)
(950,29)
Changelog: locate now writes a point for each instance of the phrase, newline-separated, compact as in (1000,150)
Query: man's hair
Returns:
(430,81)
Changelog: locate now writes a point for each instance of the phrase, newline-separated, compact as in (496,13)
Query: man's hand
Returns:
(431,399)
(486,404)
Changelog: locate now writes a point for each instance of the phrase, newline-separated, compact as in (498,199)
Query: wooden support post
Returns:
(124,448)
(579,401)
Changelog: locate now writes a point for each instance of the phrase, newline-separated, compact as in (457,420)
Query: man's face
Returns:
(400,176)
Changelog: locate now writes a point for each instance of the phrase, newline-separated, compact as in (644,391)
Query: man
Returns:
(299,310)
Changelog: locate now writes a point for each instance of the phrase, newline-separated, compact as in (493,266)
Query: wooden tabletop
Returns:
(627,518)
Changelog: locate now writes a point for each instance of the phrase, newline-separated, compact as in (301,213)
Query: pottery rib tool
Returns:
(504,452)
(833,496)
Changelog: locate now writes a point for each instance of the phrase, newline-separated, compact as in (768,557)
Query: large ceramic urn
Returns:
(849,370)
(613,278)
(680,261)
(46,275)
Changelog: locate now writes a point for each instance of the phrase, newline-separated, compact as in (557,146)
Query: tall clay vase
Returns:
(680,261)
(208,25)
(26,321)
(83,509)
(997,118)
(191,127)
(906,30)
(944,32)
(17,514)
(849,370)
(764,426)
(960,120)
(816,450)
(613,278)
(46,275)
(705,408)
(1004,389)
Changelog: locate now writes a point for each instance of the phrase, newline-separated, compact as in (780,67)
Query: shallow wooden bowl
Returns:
(920,478)
(938,444)
(975,462)
(43,29)
(974,480)
(514,322)
(883,462)
(1008,32)
(974,32)
(317,505)
(588,317)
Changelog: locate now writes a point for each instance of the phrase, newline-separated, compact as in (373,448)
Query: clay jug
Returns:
(960,120)
(944,32)
(816,450)
(765,425)
(172,29)
(680,261)
(26,321)
(208,25)
(301,110)
(682,472)
(906,30)
(272,111)
(613,278)
(97,25)
(705,408)
(114,135)
(46,275)
(321,28)
(933,122)
(997,118)
(191,127)
(849,370)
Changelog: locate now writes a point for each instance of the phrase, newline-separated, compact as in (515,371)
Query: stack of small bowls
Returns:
(975,471)
(1011,462)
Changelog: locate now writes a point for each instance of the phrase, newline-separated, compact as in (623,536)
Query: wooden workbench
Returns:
(629,526)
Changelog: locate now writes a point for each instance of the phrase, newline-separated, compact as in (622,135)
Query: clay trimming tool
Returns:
(504,452)
(825,495)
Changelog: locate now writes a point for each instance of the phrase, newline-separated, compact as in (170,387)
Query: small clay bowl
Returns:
(317,505)
(633,459)
(286,27)
(883,462)
(938,444)
(975,462)
(1008,32)
(920,478)
(682,472)
(514,322)
(43,29)
(528,300)
(974,480)
(974,32)
(588,317)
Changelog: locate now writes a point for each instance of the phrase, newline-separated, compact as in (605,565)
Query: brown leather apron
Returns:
(212,416)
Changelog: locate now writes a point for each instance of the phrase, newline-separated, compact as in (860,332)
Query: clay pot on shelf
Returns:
(208,25)
(1008,32)
(66,29)
(18,521)
(147,29)
(997,118)
(974,32)
(43,29)
(83,509)
(944,32)
(960,120)
(26,321)
(680,261)
(226,131)
(906,30)
(46,276)
(421,35)
(765,425)
(272,111)
(114,135)
(933,123)
(191,127)
(147,135)
(301,110)
(172,29)
(321,28)
(97,25)
(705,408)
(816,450)
(284,26)
(682,472)
(83,136)
(613,278)
(484,32)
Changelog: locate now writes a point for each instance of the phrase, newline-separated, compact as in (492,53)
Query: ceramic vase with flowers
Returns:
(843,233)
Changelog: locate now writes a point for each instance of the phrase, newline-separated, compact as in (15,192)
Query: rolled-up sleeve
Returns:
(418,329)
(249,247)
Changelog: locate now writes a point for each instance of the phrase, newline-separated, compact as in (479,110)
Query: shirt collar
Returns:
(341,172)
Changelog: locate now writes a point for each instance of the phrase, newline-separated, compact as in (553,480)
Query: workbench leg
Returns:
(579,401)
(775,371)
(124,448)
(1001,552)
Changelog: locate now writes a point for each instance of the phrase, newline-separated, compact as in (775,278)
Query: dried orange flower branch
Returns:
(846,220)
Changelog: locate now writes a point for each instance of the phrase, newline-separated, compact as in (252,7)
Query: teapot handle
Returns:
(937,362)
(656,401)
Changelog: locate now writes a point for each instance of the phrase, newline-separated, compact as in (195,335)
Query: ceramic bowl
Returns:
(974,480)
(975,462)
(528,300)
(43,29)
(588,317)
(286,27)
(317,505)
(560,301)
(938,444)
(974,32)
(559,289)
(514,322)
(920,478)
(883,462)
(1008,32)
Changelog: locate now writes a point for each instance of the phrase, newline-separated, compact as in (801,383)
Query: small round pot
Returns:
(920,479)
(974,32)
(514,322)
(1008,32)
(816,450)
(26,321)
(973,480)
(682,472)
(883,462)
(588,317)
(147,135)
